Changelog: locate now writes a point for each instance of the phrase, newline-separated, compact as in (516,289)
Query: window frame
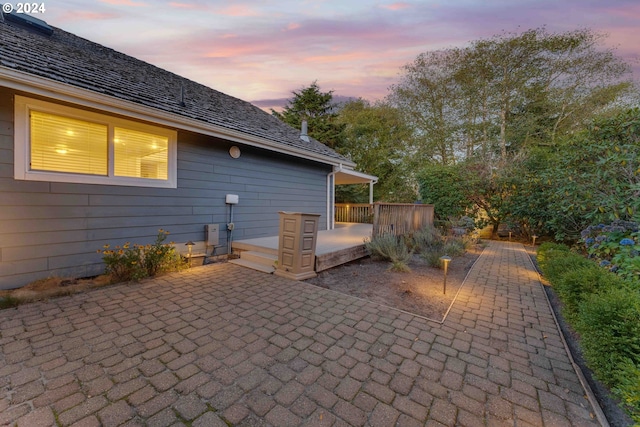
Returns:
(22,149)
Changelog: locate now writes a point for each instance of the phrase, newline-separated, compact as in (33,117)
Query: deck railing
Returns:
(354,212)
(400,218)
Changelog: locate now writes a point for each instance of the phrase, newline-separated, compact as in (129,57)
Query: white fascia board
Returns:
(31,84)
(358,177)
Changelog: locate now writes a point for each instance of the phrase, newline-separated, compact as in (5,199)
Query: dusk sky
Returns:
(261,50)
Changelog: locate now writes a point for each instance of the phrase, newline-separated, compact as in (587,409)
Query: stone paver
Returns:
(222,345)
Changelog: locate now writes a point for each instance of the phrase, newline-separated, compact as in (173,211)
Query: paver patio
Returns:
(222,345)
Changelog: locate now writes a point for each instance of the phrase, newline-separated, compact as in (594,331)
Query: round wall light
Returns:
(234,152)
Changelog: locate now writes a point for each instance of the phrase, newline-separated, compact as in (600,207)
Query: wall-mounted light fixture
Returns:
(234,152)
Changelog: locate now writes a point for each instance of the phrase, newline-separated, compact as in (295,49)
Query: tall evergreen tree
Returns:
(318,109)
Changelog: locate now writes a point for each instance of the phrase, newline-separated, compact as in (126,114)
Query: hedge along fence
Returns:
(605,311)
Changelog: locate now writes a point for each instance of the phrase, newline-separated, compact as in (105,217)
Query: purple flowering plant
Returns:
(615,246)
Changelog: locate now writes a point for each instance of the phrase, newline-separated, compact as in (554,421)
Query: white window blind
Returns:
(63,144)
(140,154)
(60,143)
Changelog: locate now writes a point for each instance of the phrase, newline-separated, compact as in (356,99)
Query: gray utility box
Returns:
(297,245)
(212,234)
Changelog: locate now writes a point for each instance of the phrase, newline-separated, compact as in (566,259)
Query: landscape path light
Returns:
(189,244)
(445,262)
(534,237)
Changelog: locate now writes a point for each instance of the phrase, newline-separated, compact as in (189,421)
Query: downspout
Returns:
(371,184)
(331,197)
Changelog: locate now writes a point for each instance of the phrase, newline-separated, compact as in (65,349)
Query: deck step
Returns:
(259,257)
(254,265)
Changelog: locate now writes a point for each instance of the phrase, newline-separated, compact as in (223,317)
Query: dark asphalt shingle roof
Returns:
(67,58)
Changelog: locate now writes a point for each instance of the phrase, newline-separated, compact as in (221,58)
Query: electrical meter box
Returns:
(212,234)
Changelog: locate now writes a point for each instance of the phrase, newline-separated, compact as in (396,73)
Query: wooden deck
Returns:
(334,247)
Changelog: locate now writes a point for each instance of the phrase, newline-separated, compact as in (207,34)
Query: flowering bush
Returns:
(122,263)
(615,247)
(135,262)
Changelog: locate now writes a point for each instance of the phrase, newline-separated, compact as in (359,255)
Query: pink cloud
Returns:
(355,51)
(237,10)
(340,58)
(185,5)
(82,15)
(293,26)
(125,3)
(396,6)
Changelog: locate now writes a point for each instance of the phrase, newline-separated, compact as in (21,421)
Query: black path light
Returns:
(445,261)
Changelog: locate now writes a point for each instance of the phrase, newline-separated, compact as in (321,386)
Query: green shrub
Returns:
(400,266)
(550,250)
(562,262)
(135,262)
(627,388)
(123,263)
(609,325)
(390,248)
(9,302)
(573,286)
(432,257)
(425,239)
(454,246)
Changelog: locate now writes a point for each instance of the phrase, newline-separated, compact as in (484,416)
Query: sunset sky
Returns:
(261,50)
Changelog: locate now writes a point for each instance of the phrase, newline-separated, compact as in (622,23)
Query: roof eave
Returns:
(350,176)
(48,88)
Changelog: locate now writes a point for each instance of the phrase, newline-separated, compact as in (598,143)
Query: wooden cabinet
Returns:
(297,245)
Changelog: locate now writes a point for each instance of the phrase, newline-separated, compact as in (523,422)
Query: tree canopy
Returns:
(318,109)
(376,138)
(534,129)
(500,95)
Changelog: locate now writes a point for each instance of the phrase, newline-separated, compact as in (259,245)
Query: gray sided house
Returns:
(98,147)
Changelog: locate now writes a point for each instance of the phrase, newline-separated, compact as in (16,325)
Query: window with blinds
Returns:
(140,154)
(65,144)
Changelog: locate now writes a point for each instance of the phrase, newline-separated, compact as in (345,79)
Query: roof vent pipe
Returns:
(182,104)
(303,132)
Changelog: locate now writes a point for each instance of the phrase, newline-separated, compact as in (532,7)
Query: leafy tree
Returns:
(317,108)
(527,209)
(428,97)
(376,139)
(502,94)
(588,178)
(470,188)
(445,187)
(601,169)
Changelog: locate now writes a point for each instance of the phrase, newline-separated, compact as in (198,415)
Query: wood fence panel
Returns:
(400,218)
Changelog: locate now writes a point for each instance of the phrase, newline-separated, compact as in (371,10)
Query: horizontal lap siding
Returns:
(54,229)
